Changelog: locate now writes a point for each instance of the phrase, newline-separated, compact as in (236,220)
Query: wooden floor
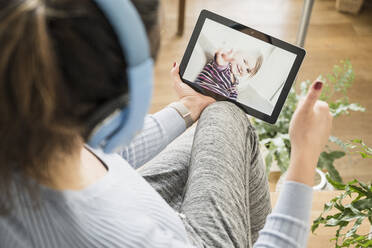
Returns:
(332,37)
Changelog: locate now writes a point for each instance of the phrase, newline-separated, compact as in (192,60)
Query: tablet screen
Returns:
(238,66)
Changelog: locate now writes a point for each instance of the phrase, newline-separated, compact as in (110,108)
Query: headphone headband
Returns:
(121,124)
(129,29)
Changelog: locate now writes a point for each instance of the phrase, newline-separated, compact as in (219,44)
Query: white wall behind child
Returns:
(203,53)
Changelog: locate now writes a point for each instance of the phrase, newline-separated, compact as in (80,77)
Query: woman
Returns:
(222,74)
(60,61)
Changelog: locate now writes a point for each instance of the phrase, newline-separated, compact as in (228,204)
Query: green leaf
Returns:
(341,108)
(351,211)
(336,154)
(316,223)
(365,186)
(365,155)
(363,204)
(345,146)
(335,184)
(355,227)
(336,222)
(326,160)
(333,173)
(365,151)
(367,243)
(328,206)
(359,190)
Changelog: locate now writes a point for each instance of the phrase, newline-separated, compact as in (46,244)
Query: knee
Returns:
(225,119)
(223,107)
(226,112)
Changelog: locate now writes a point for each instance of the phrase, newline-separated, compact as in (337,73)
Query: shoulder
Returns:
(109,159)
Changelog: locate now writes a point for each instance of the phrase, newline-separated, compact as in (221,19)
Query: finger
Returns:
(312,96)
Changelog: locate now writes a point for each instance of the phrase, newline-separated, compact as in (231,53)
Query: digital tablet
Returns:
(229,61)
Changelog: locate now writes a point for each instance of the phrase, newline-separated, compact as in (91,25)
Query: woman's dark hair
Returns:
(60,60)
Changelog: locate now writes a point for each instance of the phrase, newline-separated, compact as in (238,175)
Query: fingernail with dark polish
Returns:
(318,85)
(174,64)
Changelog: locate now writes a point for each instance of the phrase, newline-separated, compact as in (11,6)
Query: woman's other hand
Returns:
(192,100)
(309,131)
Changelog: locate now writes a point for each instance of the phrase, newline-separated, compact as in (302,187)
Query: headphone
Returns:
(115,123)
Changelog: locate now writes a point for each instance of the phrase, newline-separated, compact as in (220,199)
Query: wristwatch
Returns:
(183,111)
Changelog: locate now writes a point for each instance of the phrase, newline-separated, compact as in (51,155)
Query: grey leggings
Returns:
(214,176)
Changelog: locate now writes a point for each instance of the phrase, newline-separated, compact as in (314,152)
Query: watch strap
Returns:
(183,111)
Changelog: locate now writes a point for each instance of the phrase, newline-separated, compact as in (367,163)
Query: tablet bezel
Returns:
(300,54)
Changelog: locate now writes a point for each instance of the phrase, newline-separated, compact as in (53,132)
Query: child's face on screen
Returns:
(242,65)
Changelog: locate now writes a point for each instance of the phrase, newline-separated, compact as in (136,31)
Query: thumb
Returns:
(175,73)
(312,95)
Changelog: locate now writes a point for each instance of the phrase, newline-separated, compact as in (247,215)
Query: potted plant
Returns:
(350,209)
(275,138)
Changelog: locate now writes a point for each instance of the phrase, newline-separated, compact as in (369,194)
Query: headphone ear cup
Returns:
(107,128)
(140,88)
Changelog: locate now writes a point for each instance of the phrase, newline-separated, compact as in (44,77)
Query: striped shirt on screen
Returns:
(217,79)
